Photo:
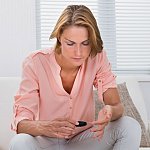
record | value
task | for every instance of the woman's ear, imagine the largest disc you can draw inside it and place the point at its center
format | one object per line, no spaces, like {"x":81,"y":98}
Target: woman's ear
{"x":59,"y":39}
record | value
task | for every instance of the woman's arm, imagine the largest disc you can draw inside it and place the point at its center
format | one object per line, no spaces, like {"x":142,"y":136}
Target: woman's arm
{"x":60,"y":128}
{"x":29,"y":127}
{"x":111,"y":98}
{"x":112,"y":110}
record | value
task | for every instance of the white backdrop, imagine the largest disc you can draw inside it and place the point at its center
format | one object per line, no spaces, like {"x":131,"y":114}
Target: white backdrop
{"x":17,"y":34}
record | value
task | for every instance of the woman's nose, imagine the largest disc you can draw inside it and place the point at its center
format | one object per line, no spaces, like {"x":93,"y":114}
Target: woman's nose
{"x":78,"y":50}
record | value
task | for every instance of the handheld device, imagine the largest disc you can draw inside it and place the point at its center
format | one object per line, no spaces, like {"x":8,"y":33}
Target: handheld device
{"x":81,"y":124}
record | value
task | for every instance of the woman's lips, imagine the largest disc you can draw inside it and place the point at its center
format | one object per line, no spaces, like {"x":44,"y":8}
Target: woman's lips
{"x":77,"y":59}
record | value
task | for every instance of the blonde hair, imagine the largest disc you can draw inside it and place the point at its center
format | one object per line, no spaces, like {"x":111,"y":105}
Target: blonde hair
{"x":78,"y":15}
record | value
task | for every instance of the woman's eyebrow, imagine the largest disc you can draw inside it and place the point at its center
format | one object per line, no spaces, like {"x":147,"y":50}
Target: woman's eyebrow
{"x":69,"y":40}
{"x":85,"y":40}
{"x":74,"y":42}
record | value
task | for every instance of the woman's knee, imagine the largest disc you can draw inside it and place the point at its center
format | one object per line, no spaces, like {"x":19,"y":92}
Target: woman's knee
{"x":131,"y":123}
{"x":130,"y":126}
{"x":22,"y":141}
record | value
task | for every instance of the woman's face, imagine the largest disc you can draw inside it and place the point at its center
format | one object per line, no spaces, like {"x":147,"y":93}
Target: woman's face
{"x":75,"y":45}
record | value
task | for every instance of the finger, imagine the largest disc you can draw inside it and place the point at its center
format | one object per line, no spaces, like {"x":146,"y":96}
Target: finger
{"x":61,"y":135}
{"x":100,"y":122}
{"x":98,"y":128}
{"x":65,"y":122}
{"x":65,"y":130}
{"x":56,"y":134}
{"x":72,"y":121}
{"x":68,"y":124}
{"x":62,"y":130}
{"x":98,"y":137}
{"x":99,"y":134}
{"x":68,"y":120}
{"x":108,"y":116}
{"x":59,"y":124}
{"x":107,"y":110}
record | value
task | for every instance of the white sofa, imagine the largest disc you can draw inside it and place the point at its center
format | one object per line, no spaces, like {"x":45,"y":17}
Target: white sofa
{"x":9,"y":86}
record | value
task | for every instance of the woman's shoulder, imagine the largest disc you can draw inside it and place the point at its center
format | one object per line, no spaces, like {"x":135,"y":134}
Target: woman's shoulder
{"x":46,"y":51}
{"x":101,"y":56}
{"x":98,"y":61}
{"x":37,"y":53}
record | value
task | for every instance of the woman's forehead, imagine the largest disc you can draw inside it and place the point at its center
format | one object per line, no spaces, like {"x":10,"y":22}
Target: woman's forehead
{"x":74,"y":32}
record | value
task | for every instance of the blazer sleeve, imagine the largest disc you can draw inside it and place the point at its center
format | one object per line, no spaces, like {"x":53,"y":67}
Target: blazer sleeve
{"x":104,"y":78}
{"x":26,"y":104}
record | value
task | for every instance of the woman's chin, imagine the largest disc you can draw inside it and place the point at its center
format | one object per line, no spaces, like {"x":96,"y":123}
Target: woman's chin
{"x":77,"y":62}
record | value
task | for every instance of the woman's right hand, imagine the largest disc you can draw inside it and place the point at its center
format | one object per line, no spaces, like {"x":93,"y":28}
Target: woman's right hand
{"x":58,"y":128}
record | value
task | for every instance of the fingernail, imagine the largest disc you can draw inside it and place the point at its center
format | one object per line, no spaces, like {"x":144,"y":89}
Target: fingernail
{"x":108,"y":117}
{"x":77,"y":123}
{"x":92,"y":123}
{"x":66,"y":137}
{"x":105,"y":112}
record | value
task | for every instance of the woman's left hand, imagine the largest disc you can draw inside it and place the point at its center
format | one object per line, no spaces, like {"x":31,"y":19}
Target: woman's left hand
{"x":104,"y":117}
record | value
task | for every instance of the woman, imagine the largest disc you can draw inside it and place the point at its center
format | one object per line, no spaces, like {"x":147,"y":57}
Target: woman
{"x":56,"y":92}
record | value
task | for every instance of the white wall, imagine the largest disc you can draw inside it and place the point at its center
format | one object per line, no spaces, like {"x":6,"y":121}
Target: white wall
{"x":17,"y":34}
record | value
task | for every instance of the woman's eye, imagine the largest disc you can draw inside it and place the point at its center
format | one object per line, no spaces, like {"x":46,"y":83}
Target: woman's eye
{"x":70,"y":44}
{"x":85,"y":43}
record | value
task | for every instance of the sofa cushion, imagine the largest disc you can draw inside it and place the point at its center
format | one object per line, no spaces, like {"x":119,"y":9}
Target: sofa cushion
{"x":130,"y":110}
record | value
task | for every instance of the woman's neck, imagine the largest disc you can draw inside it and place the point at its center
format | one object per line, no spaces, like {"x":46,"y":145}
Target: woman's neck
{"x":65,"y":66}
